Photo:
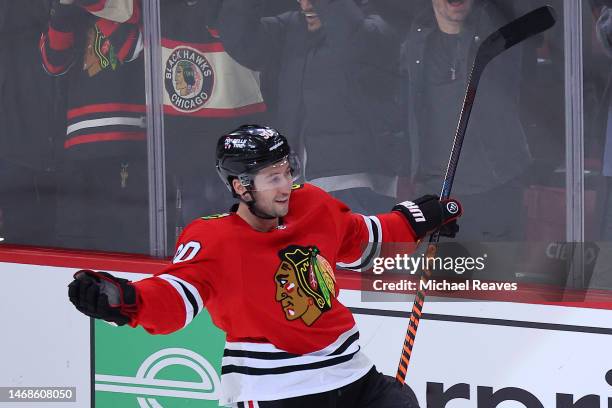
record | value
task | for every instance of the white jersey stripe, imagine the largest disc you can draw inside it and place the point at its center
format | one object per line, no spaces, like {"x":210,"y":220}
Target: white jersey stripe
{"x":188,"y":307}
{"x":262,"y":347}
{"x":366,"y":251}
{"x":84,"y":124}
{"x":192,"y":289}
{"x":378,"y":244}
{"x":269,"y":348}
{"x":248,"y":374}
{"x":243,"y":387}
{"x":372,"y":249}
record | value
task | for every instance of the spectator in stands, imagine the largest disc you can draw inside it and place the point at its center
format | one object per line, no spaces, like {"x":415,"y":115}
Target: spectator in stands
{"x":103,"y":193}
{"x":332,"y":66}
{"x":206,"y":93}
{"x":436,"y":57}
{"x":27,"y":127}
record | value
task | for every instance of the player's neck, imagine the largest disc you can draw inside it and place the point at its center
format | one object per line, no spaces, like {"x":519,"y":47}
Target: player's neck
{"x":254,"y":221}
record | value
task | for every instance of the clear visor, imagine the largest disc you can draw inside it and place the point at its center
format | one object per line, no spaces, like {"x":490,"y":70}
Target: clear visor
{"x":281,"y":174}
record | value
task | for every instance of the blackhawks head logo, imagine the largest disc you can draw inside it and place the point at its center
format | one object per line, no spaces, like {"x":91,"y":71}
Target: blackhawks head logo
{"x":189,"y":79}
{"x":305,"y":283}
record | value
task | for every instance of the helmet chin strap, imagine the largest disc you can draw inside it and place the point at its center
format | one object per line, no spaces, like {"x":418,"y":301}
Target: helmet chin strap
{"x":253,"y":209}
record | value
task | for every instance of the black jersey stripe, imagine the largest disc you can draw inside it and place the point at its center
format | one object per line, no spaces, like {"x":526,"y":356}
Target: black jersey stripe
{"x":347,"y":343}
{"x":229,"y":369}
{"x":190,"y":298}
{"x":374,"y":246}
{"x":261,"y":355}
{"x":271,"y":355}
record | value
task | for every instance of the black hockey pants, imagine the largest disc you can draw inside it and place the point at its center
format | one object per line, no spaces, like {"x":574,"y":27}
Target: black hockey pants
{"x":374,"y":390}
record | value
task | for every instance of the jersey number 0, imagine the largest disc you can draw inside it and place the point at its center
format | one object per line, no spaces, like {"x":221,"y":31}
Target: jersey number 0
{"x":186,"y":252}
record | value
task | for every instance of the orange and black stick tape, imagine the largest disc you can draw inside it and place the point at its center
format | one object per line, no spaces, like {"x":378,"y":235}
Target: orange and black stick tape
{"x":415,"y":316}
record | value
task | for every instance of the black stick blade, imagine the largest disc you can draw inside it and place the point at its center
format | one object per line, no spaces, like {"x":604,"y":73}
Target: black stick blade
{"x":532,"y":23}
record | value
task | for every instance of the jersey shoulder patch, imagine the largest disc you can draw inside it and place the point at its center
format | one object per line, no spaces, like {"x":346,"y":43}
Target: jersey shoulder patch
{"x":215,"y":216}
{"x":312,"y":190}
{"x":297,"y":186}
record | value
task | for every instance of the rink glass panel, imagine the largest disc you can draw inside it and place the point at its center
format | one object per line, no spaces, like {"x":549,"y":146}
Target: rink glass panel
{"x":73,"y":155}
{"x":57,"y":193}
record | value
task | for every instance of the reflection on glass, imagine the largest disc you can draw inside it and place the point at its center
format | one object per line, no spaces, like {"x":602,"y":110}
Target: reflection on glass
{"x":330,"y":75}
{"x":206,"y":93}
{"x":369,"y":93}
{"x":102,"y":166}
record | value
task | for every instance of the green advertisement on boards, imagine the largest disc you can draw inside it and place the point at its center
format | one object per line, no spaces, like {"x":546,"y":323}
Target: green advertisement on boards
{"x":136,"y":369}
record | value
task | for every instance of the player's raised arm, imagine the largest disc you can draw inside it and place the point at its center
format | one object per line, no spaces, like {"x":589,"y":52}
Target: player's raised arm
{"x":408,"y":221}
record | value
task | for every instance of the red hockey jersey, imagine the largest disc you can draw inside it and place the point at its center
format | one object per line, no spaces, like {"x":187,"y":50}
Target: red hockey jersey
{"x":104,"y":63}
{"x":274,"y":294}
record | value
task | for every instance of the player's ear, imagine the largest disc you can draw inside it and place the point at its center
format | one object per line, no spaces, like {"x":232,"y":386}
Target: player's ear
{"x":238,"y":187}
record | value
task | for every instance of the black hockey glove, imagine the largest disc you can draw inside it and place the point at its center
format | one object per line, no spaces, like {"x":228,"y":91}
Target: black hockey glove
{"x":103,"y":296}
{"x":428,"y":213}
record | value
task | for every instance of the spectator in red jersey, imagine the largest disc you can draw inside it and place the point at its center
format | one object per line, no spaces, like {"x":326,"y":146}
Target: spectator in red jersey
{"x":97,"y":47}
{"x":205,"y":93}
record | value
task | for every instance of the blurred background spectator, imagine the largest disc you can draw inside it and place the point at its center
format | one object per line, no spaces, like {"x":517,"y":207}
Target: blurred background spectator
{"x":102,"y":190}
{"x":436,"y":58}
{"x":330,"y":76}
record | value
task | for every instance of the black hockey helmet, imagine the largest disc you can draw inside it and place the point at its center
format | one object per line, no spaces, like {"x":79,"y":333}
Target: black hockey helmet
{"x":248,"y":149}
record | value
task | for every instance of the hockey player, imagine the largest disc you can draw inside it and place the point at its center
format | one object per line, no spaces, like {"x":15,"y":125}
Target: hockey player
{"x":265,"y":272}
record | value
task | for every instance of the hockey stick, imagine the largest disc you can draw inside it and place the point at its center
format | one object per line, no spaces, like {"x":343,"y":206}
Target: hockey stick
{"x":509,"y":35}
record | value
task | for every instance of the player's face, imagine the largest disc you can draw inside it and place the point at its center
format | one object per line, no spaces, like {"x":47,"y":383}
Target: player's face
{"x":273,"y":188}
{"x":452,"y":11}
{"x":288,"y":292}
{"x":312,"y":19}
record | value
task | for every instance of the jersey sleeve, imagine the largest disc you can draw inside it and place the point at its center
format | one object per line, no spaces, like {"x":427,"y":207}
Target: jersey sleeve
{"x":171,"y":299}
{"x":361,"y":236}
{"x":57,"y":44}
{"x":112,"y":10}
